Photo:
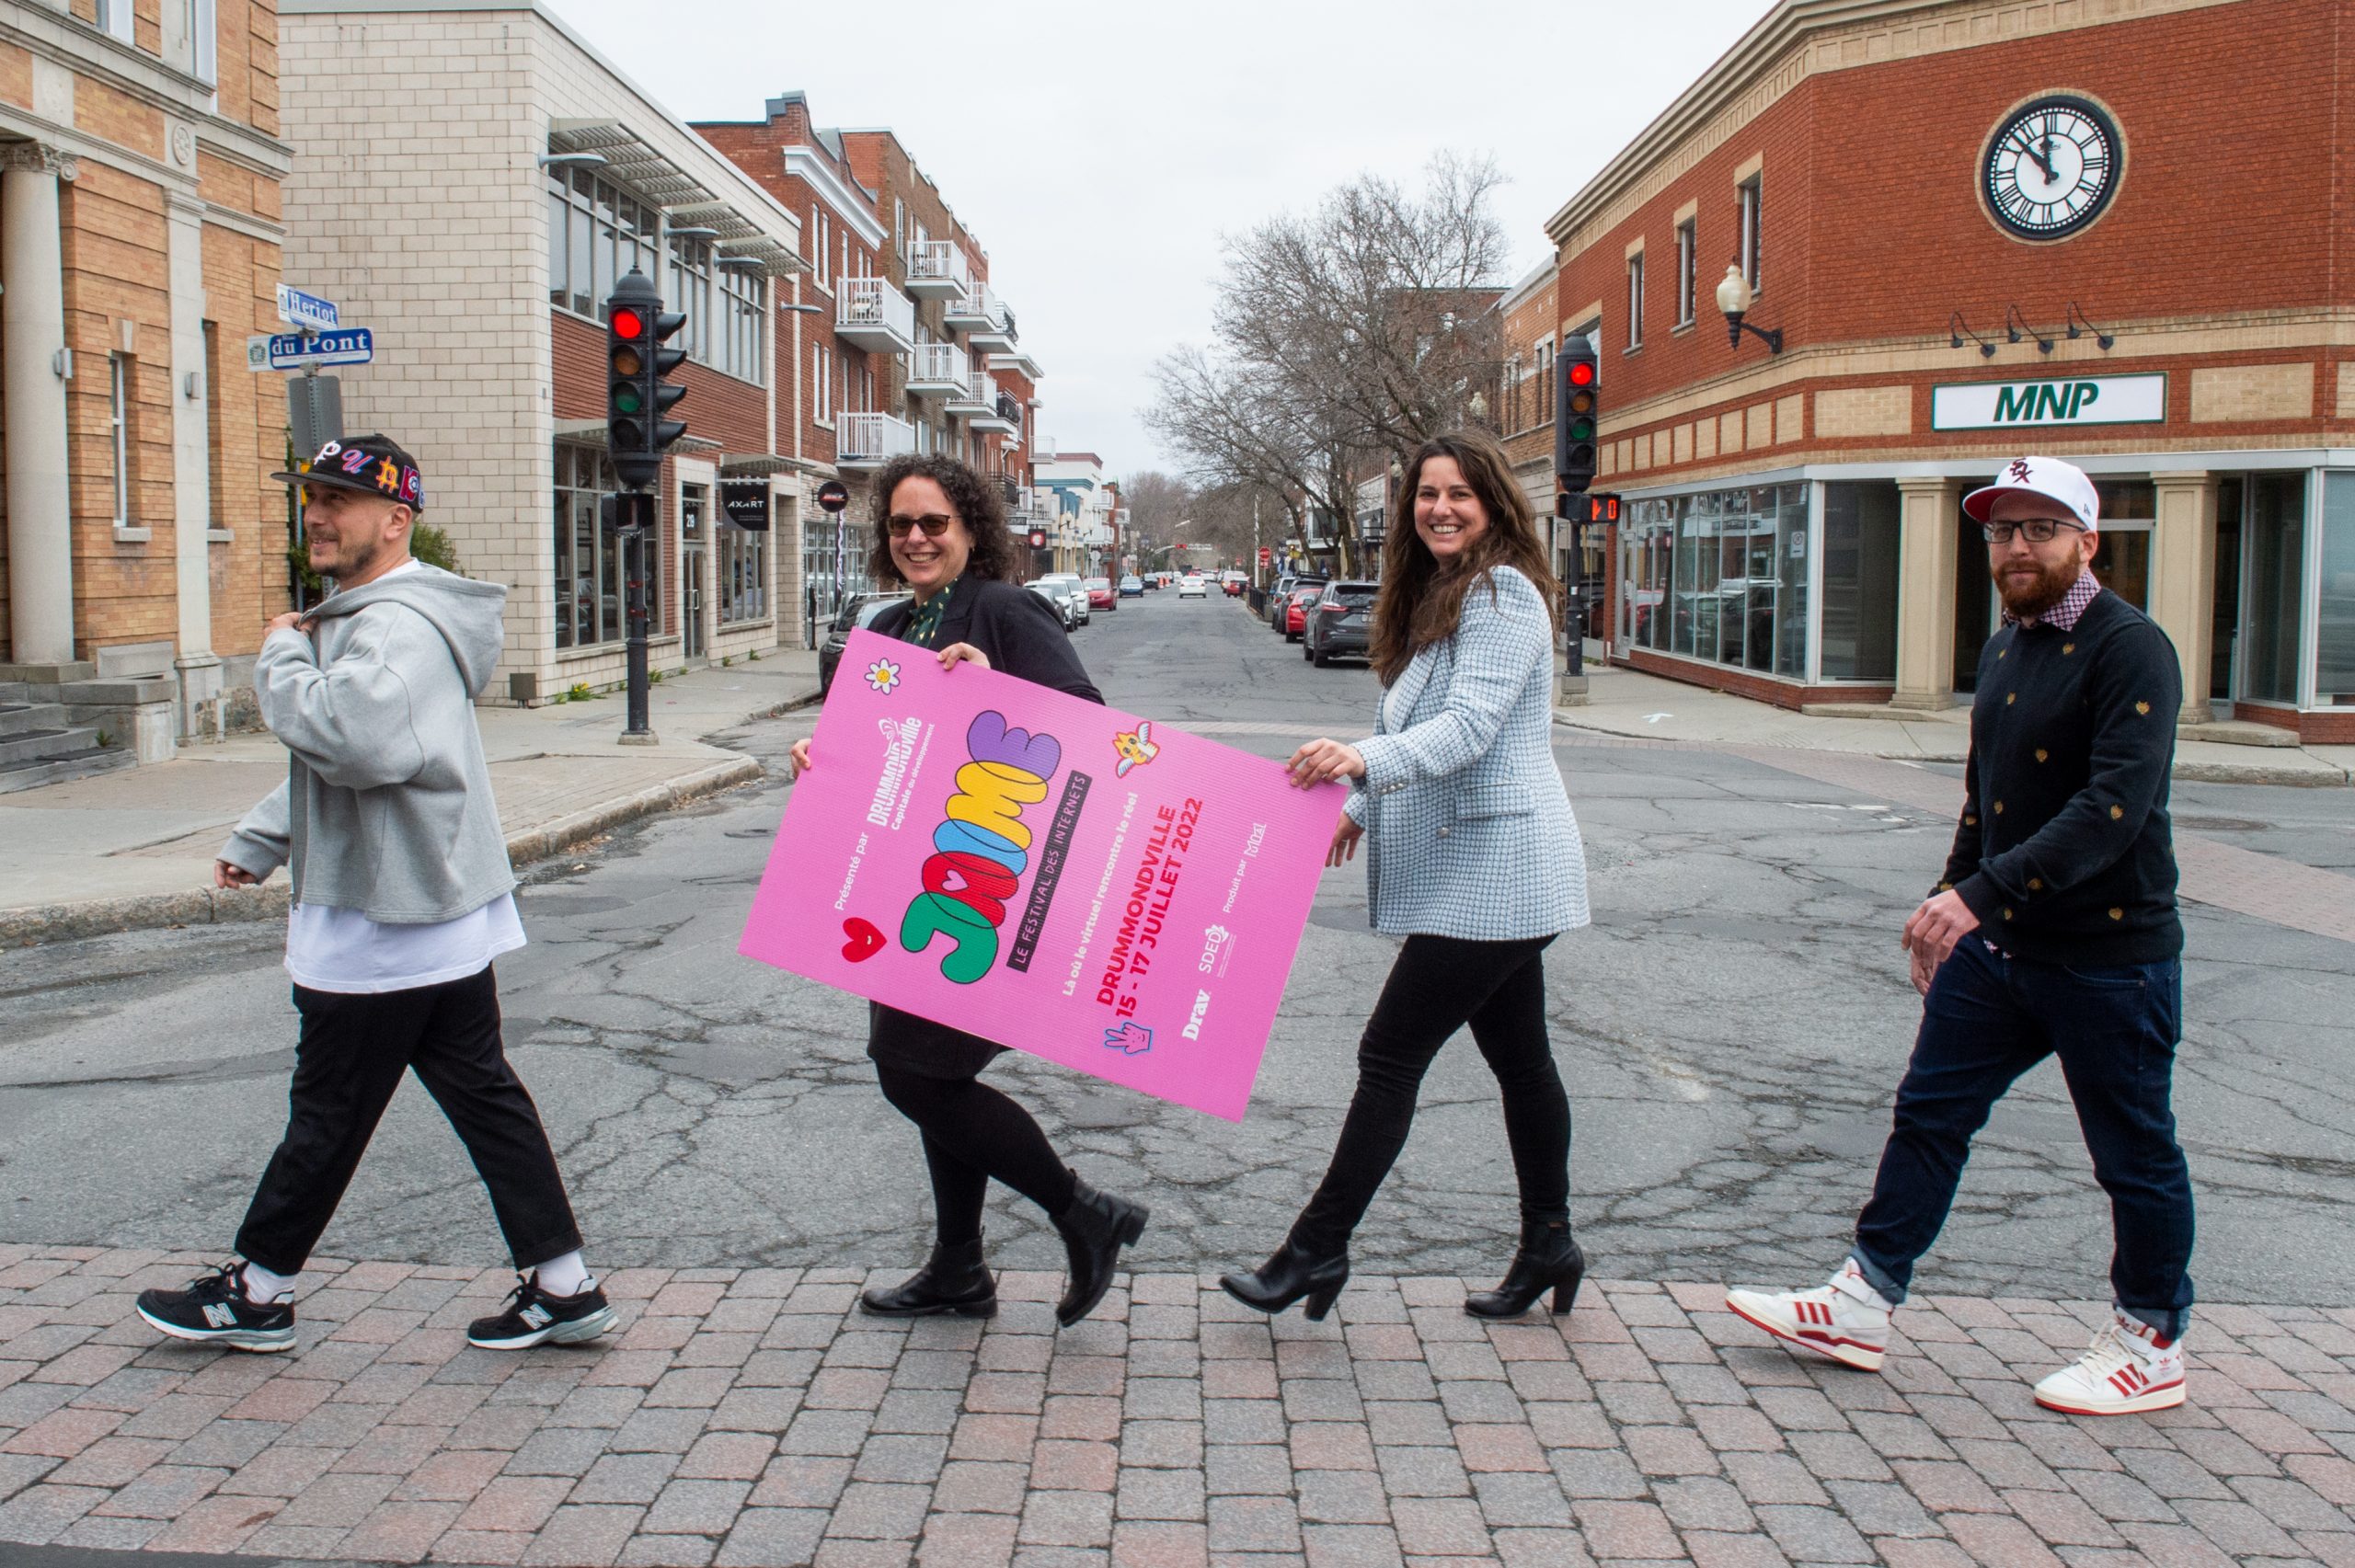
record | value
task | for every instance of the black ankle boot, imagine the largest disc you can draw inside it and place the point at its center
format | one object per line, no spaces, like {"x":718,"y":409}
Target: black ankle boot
{"x":1292,"y":1274}
{"x":1094,"y":1228}
{"x":952,"y":1280}
{"x":1549,"y":1259}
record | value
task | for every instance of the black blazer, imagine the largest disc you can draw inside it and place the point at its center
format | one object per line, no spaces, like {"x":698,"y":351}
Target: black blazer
{"x":1022,"y":637}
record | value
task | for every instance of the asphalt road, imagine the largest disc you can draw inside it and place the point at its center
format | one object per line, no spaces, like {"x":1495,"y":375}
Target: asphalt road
{"x":1731,"y":1028}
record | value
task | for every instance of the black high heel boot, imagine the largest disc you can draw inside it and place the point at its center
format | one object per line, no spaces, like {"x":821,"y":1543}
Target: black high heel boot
{"x":1287,"y":1276}
{"x":1094,"y":1228}
{"x":1549,"y":1259}
{"x":952,"y":1280}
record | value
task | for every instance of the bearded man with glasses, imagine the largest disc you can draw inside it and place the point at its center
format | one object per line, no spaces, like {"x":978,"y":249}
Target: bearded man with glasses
{"x":2053,"y":932}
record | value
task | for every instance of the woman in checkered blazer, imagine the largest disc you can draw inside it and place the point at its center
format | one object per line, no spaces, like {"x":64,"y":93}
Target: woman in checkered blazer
{"x":1472,"y":856}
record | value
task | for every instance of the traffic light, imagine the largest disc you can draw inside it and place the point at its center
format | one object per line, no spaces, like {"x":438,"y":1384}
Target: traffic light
{"x":1596,"y":506}
{"x":1576,"y":373}
{"x":636,"y":395}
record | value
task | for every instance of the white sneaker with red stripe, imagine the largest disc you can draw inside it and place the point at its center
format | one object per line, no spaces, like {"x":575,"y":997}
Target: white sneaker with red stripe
{"x":2130,"y":1367}
{"x":1846,"y":1320}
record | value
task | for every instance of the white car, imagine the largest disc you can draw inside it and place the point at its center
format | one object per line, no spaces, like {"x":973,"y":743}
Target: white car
{"x":1191,"y":586}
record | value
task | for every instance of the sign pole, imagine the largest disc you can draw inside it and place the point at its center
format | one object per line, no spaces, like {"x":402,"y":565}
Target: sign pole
{"x":633,"y":520}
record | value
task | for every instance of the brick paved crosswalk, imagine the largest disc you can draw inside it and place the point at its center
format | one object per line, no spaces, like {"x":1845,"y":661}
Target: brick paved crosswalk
{"x":752,"y":1417}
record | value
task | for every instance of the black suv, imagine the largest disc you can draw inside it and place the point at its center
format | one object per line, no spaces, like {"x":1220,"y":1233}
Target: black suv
{"x":1340,"y":624}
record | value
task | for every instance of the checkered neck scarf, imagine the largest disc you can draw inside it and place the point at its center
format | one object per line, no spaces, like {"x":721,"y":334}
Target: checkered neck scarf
{"x":2063,"y":615}
{"x":926,"y":625}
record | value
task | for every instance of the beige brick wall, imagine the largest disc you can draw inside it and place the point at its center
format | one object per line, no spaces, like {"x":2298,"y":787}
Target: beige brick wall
{"x":1864,"y":411}
{"x":1790,"y":416}
{"x":2347,"y":390}
{"x":1759,"y":420}
{"x":2252,"y":392}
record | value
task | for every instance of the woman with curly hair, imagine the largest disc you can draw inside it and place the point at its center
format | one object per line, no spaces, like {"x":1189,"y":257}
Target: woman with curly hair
{"x":941,"y":530}
{"x":1472,"y":856}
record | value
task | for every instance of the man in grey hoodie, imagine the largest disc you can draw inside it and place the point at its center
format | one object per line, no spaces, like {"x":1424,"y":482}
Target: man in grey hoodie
{"x":402,"y":898}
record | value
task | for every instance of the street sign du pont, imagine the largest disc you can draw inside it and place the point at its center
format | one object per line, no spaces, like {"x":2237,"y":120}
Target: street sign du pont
{"x":343,"y":346}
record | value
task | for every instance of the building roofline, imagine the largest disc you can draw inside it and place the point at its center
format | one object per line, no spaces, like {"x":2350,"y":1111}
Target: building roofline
{"x":1735,"y":71}
{"x":1520,"y":293}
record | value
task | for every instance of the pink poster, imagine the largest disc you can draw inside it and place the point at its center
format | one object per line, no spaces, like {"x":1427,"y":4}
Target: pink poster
{"x":1047,"y":873}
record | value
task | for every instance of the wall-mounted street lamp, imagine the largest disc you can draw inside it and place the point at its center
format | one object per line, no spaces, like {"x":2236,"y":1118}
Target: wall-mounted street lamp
{"x":573,"y":160}
{"x":2016,"y":320}
{"x":1957,"y":329}
{"x":1734,"y":298}
{"x":2078,"y":323}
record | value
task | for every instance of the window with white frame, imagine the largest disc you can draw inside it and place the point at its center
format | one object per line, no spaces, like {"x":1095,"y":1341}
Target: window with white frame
{"x":821,"y":382}
{"x":115,"y":20}
{"x":1751,"y":197}
{"x":1687,"y":263}
{"x":688,"y":289}
{"x":743,"y":311}
{"x":597,"y":233}
{"x":204,"y":25}
{"x":1542,"y":354}
{"x":743,"y":573}
{"x":118,"y":434}
{"x":1635,"y":302}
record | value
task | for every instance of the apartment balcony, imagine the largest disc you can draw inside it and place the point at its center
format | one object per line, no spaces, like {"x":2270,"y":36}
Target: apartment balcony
{"x":1004,"y":414}
{"x":978,"y":397}
{"x":874,"y":315}
{"x":975,"y":310}
{"x":866,"y":442}
{"x":937,"y":270}
{"x":995,"y":334}
{"x":939,"y":370}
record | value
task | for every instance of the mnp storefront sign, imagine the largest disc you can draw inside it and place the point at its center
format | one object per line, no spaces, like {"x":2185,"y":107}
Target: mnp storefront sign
{"x":2037,"y":405}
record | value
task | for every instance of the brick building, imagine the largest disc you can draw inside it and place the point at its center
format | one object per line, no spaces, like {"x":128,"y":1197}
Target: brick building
{"x":475,"y":208}
{"x":903,"y":343}
{"x":142,"y":545}
{"x":1983,"y":228}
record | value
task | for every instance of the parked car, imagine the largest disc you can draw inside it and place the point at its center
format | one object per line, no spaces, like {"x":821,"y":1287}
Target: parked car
{"x":1073,"y":589}
{"x":1132,"y":587}
{"x":1059,"y":596}
{"x":1234,"y":582}
{"x":1101,"y":595}
{"x":1340,"y":623}
{"x":859,"y":609}
{"x":1304,"y":594}
{"x":1192,"y":587}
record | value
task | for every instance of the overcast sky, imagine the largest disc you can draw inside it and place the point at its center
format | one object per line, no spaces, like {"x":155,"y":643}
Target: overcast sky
{"x":1099,"y":151}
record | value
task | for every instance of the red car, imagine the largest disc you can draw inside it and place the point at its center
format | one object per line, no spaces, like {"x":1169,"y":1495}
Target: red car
{"x":1235,"y":588}
{"x":1101,"y":595}
{"x":1296,"y":611}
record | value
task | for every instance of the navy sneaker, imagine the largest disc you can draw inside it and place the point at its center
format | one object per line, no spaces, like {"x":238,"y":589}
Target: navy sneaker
{"x":214,"y":1309}
{"x":535,"y":1317}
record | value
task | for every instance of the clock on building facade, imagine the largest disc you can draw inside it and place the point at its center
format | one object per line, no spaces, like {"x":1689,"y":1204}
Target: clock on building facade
{"x":2051,"y":167}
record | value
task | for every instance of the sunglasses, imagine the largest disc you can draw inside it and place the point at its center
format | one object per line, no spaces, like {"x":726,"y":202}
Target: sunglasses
{"x":2037,"y":530}
{"x":934,"y":526}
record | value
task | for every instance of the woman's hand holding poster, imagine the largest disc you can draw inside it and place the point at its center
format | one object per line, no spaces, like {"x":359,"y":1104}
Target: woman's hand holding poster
{"x":1044,"y":872}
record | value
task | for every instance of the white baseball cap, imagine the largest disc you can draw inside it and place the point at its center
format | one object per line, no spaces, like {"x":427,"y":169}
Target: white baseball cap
{"x":2047,"y":477}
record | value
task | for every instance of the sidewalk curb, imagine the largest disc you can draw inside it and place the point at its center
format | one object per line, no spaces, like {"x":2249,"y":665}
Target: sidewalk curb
{"x":216,"y":906}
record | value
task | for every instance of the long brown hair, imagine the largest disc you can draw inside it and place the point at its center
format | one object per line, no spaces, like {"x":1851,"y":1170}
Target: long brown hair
{"x":980,"y":507}
{"x":1420,"y":601}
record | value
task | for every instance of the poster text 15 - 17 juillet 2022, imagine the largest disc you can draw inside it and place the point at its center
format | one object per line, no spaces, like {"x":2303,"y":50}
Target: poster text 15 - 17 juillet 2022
{"x":1044,"y":872}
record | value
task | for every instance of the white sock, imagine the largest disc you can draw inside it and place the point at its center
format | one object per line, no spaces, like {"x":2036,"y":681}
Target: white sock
{"x":567,"y":1276}
{"x":264,"y":1289}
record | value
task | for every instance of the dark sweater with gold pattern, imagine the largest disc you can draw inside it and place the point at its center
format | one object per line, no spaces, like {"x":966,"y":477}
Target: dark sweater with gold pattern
{"x":2064,"y":851}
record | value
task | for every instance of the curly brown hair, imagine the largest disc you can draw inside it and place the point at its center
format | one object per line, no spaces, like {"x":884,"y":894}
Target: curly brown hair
{"x":980,"y":507}
{"x":1420,"y":601}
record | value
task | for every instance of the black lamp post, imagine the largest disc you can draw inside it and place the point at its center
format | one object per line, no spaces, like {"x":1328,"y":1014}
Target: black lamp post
{"x":1733,"y":298}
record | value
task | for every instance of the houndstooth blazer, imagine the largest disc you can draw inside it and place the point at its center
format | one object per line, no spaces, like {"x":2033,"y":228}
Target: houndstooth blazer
{"x":1469,"y":830}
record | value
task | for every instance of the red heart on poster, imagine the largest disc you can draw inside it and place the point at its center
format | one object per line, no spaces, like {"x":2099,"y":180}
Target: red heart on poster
{"x":864,"y":942}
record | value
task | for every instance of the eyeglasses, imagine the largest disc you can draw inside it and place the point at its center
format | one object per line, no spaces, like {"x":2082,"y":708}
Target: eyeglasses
{"x":934,"y":526}
{"x":2037,"y":530}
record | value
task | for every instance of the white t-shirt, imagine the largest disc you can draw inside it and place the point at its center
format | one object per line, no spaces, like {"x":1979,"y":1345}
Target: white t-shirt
{"x":335,"y":949}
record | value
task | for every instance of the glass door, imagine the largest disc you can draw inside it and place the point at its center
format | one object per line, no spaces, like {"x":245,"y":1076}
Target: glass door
{"x":694,"y":501}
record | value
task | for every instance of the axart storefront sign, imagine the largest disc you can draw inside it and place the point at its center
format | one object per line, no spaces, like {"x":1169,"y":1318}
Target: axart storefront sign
{"x":2005,"y":405}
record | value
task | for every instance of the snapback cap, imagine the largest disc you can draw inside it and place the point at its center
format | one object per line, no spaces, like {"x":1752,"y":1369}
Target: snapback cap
{"x":2056,"y":481}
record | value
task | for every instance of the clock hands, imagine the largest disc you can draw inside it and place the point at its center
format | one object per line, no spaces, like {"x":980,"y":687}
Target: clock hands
{"x":2044,"y":159}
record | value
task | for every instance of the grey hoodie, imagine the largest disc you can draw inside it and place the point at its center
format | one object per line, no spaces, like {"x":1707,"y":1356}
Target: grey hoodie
{"x":386,"y":807}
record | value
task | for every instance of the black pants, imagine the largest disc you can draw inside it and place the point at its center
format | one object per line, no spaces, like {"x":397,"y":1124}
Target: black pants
{"x":973,"y":1132}
{"x":351,"y":1058}
{"x":1439,"y":985}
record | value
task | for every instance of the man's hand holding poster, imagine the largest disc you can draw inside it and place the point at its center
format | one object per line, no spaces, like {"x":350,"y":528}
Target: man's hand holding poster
{"x":1046,"y":872}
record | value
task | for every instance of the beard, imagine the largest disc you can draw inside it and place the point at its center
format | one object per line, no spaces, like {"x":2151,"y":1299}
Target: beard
{"x":2026,"y":599}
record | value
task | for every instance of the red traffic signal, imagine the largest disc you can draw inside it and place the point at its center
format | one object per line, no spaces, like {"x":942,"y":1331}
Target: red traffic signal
{"x":1038,"y":539}
{"x":635,"y":393}
{"x":1576,"y":413}
{"x":1596,"y":506}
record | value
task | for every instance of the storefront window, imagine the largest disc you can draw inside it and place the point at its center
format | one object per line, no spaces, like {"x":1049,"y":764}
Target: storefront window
{"x":743,"y":574}
{"x":1648,"y":538}
{"x":2335,"y":619}
{"x":2275,"y":597}
{"x":590,"y":583}
{"x":1860,"y":546}
{"x":1720,"y":576}
{"x":2123,"y":560}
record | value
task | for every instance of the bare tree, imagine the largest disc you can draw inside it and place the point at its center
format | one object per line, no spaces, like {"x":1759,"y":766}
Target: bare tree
{"x":1156,"y":504}
{"x":1343,"y":339}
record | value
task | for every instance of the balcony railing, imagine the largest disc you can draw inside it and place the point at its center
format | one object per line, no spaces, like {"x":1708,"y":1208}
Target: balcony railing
{"x":976,"y":398}
{"x":867,"y":440}
{"x":939,"y":370}
{"x":999,"y":411}
{"x":937,"y":270}
{"x":875,"y":316}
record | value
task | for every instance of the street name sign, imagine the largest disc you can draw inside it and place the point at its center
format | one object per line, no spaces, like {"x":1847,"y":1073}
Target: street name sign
{"x":2036,"y":404}
{"x":344,"y":346}
{"x":308,"y":311}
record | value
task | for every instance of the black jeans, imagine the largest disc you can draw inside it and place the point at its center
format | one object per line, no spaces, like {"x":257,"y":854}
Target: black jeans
{"x":1989,"y":1018}
{"x":1439,"y":985}
{"x":973,"y":1132}
{"x":350,"y":1056}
